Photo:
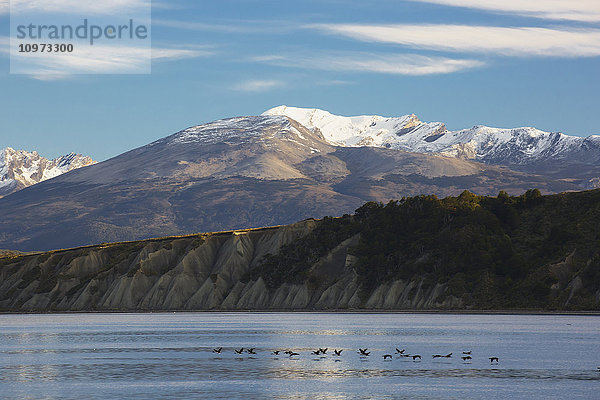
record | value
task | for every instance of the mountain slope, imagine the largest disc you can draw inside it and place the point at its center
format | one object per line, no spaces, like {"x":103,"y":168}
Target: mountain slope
{"x":525,"y":149}
{"x":465,"y":252}
{"x":229,"y":174}
{"x":20,"y":169}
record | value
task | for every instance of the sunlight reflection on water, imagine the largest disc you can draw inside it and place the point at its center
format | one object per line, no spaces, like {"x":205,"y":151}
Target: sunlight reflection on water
{"x":151,"y":356}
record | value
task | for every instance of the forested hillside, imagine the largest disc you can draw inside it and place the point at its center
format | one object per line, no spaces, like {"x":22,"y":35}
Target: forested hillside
{"x":468,"y":252}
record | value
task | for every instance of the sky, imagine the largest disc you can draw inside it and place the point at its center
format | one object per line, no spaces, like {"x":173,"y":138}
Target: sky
{"x":501,"y":63}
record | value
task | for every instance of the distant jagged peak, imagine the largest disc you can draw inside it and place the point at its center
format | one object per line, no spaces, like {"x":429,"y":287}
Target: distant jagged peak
{"x":20,"y":168}
{"x":71,"y":160}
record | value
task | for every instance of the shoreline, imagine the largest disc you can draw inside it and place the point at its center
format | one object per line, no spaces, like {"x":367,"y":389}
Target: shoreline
{"x":342,"y":311}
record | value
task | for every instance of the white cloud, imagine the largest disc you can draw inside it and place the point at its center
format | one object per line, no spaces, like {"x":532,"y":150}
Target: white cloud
{"x":397,"y":64}
{"x":165,"y":54}
{"x":334,"y":82}
{"x":257,"y":85}
{"x":521,"y":41}
{"x":4,"y":44}
{"x":94,"y":7}
{"x":230,"y":26}
{"x":570,"y":10}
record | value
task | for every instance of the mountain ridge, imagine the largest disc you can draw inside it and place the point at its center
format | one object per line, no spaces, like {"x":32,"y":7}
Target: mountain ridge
{"x":235,"y":173}
{"x":526,"y":148}
{"x":20,"y":169}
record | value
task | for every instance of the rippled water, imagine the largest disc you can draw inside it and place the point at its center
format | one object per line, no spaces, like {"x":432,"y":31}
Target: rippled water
{"x":152,"y":356}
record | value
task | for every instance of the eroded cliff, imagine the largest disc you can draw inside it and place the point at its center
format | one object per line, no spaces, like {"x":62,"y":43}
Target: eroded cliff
{"x":198,"y":272}
{"x":466,"y":252}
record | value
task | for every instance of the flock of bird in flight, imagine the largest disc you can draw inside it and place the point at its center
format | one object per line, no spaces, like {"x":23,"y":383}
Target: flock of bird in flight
{"x":465,"y":356}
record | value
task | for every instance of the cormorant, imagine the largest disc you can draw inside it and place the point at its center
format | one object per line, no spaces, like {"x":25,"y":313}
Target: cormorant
{"x":364,"y":352}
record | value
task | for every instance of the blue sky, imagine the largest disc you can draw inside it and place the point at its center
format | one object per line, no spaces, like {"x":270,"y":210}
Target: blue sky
{"x":511,"y":63}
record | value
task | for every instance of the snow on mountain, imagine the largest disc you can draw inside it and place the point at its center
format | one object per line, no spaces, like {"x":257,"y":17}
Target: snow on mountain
{"x":19,"y":168}
{"x":238,"y":129}
{"x":366,"y":130}
{"x":518,"y":146}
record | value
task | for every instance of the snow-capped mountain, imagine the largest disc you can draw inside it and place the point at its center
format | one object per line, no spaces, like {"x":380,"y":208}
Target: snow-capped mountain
{"x":19,"y":168}
{"x":231,"y":174}
{"x":368,"y":130}
{"x":518,"y":146}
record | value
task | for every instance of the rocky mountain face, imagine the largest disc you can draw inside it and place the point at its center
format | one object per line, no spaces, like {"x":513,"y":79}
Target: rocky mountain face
{"x":20,"y":169}
{"x":231,"y":174}
{"x":525,"y":149}
{"x":525,"y":254}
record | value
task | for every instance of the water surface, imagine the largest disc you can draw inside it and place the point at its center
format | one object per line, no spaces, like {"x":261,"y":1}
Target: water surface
{"x":170,"y":355}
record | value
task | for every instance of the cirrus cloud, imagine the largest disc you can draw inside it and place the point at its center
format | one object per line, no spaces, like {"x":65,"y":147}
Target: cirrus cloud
{"x":94,"y":7}
{"x":396,"y":64}
{"x":99,"y":59}
{"x":569,"y":10}
{"x":257,"y":85}
{"x":507,"y":41}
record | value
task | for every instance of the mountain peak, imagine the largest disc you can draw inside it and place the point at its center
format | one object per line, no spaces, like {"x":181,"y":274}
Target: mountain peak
{"x":357,"y":131}
{"x":524,"y":145}
{"x":230,"y":128}
{"x":21,"y":168}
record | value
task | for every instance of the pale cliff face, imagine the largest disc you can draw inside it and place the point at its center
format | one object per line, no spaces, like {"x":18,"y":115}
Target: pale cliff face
{"x":212,"y":272}
{"x":200,"y":272}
